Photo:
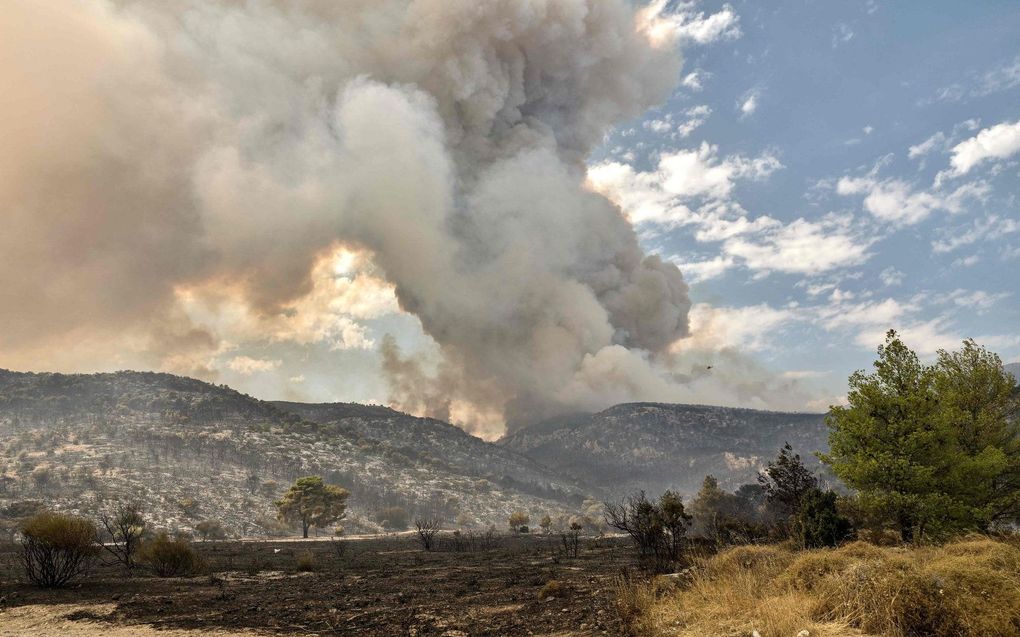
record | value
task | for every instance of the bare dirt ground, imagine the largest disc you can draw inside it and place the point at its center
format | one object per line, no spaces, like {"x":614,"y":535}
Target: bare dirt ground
{"x":377,"y":587}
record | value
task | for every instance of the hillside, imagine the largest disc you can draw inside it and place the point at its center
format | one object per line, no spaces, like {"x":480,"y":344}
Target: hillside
{"x":1014,"y":368}
{"x":657,"y":446}
{"x":443,"y":444}
{"x":190,"y":451}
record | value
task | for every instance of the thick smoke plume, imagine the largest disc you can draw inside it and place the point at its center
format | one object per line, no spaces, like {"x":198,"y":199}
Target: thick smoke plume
{"x":152,"y":147}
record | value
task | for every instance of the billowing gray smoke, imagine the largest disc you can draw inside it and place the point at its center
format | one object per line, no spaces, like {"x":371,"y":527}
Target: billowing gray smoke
{"x":150,"y":145}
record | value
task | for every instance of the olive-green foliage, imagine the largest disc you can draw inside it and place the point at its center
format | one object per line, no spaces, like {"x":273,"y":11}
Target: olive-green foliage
{"x":786,"y":481}
{"x":310,"y":502}
{"x":517,"y":520}
{"x":57,"y":549}
{"x":931,"y":448}
{"x":819,"y":521}
{"x":169,"y":556}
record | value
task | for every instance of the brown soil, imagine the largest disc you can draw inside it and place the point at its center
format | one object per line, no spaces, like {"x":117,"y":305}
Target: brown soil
{"x":378,"y":587}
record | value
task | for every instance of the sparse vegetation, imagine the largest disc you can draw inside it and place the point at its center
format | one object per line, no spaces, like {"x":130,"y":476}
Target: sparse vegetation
{"x":57,"y":549}
{"x":798,"y":586}
{"x":571,"y":539}
{"x":124,"y":529}
{"x":552,"y":589}
{"x":426,"y":529}
{"x":305,"y":562}
{"x":210,"y":530}
{"x":657,"y":528}
{"x":518,"y":521}
{"x":968,"y":588}
{"x":393,"y":518}
{"x":169,"y":556}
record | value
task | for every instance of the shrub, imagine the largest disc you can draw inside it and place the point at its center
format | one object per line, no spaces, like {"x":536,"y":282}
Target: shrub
{"x":552,"y":588}
{"x":517,"y":520}
{"x":169,"y":556}
{"x":819,"y":521}
{"x":57,"y":549}
{"x":210,"y":530}
{"x":125,"y":529}
{"x":657,"y":527}
{"x":427,"y":528}
{"x":306,"y":562}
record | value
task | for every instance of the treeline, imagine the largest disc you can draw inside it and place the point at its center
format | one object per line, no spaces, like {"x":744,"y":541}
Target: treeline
{"x":924,"y":452}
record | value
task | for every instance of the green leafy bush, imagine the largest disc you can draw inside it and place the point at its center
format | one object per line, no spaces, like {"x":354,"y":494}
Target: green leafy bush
{"x":819,"y":520}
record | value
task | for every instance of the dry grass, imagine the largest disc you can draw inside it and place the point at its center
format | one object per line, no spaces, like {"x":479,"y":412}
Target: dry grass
{"x":305,"y":562}
{"x":968,"y":588}
{"x":552,"y":588}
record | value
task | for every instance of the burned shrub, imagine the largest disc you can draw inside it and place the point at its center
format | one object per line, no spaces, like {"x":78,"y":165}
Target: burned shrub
{"x":57,"y":549}
{"x":169,"y":556}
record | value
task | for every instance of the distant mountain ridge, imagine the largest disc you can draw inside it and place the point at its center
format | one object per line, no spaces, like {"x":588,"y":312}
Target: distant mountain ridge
{"x":1013,"y":368}
{"x":656,"y":446}
{"x":194,"y":450}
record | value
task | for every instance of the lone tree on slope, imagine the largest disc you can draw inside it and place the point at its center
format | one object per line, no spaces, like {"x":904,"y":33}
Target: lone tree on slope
{"x":311,"y":502}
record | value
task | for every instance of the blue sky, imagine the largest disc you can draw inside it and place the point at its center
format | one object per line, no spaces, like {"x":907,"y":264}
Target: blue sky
{"x":855,"y":167}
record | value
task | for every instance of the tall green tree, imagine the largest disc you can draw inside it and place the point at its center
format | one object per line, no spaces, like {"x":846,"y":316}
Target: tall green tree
{"x":977,"y":414}
{"x":310,"y":502}
{"x":785,"y":481}
{"x":885,"y":444}
{"x":932,"y":448}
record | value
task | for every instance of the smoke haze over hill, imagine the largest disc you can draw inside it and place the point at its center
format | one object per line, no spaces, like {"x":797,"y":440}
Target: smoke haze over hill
{"x":180,"y":176}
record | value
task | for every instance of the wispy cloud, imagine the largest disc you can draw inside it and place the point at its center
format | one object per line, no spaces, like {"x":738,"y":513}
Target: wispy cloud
{"x":666,"y":24}
{"x":1000,"y":78}
{"x":978,"y":230}
{"x":900,"y":202}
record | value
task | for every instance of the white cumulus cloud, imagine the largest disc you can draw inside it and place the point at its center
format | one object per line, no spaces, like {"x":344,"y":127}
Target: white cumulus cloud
{"x":997,"y":142}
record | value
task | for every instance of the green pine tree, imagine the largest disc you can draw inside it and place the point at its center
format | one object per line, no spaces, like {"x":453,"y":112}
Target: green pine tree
{"x":933,"y":449}
{"x":310,"y":502}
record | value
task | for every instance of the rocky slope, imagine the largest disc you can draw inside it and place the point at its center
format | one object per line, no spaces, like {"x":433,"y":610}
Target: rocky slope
{"x":189,"y":451}
{"x":440,"y":442}
{"x":658,"y":446}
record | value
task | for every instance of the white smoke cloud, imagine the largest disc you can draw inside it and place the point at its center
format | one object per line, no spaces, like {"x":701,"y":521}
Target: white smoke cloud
{"x":172,"y":168}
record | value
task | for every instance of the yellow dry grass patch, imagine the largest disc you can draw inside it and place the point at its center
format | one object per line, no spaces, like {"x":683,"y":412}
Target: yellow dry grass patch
{"x":967,"y":588}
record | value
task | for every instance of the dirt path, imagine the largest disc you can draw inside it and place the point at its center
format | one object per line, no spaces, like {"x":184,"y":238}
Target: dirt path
{"x":77,"y":620}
